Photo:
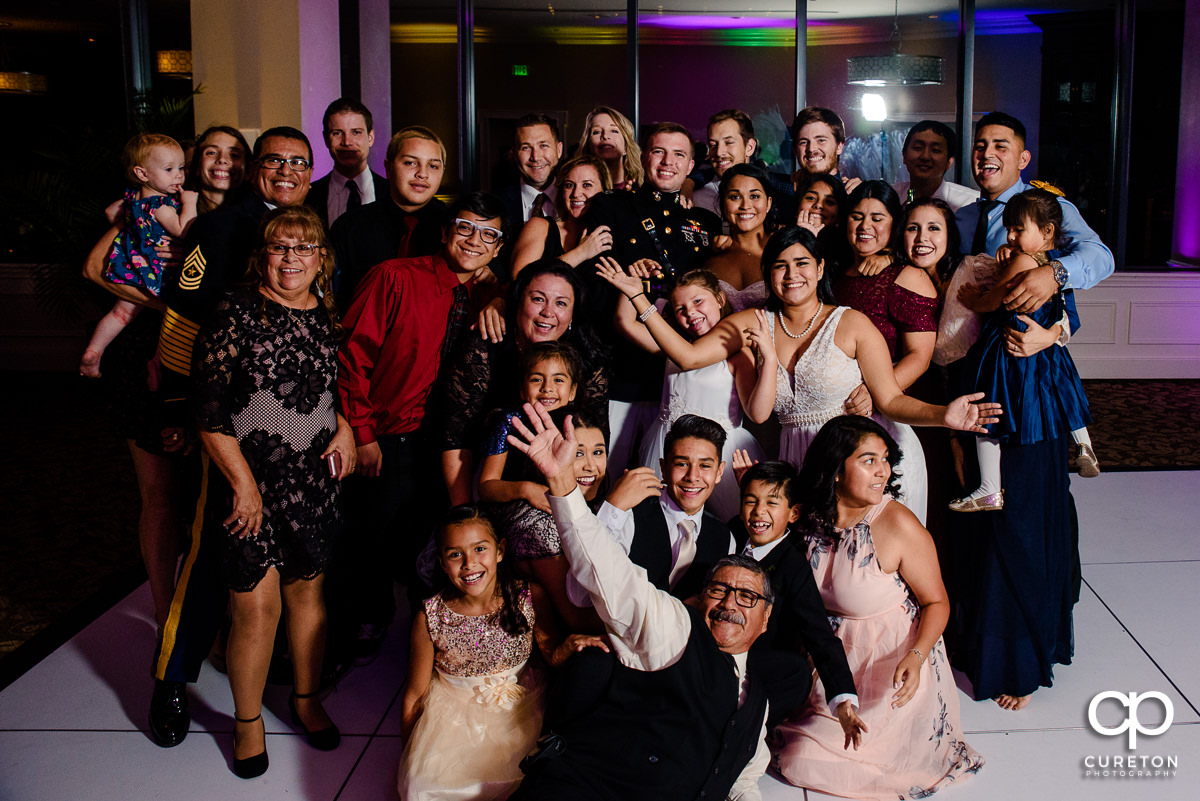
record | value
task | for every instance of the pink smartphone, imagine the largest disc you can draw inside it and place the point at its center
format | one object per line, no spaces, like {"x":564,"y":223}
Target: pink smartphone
{"x":334,"y":462}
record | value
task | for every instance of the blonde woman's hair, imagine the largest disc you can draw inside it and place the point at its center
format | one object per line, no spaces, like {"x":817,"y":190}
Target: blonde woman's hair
{"x":631,"y":164}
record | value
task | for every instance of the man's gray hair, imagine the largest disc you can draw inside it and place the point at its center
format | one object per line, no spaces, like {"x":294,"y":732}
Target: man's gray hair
{"x":745,"y":563}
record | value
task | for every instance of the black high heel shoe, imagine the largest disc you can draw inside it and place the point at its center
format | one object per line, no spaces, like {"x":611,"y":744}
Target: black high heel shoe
{"x":326,"y":739}
{"x":250,"y":767}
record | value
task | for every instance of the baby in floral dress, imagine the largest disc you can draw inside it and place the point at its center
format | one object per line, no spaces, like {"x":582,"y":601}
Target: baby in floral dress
{"x":156,"y":210}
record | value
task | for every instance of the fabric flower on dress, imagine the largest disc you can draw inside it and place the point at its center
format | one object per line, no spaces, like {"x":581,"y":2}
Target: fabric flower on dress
{"x":501,"y":691}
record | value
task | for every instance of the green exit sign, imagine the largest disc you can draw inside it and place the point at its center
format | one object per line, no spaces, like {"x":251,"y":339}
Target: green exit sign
{"x":520,"y":69}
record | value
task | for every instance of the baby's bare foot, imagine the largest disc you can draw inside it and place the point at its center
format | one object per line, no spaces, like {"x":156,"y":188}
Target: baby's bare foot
{"x":89,"y":365}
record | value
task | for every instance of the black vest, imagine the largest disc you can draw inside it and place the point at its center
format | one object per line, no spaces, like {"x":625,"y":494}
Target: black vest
{"x":671,"y":735}
{"x":651,"y":548}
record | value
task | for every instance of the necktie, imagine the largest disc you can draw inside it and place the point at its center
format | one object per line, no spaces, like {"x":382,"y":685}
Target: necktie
{"x":456,"y":321}
{"x":405,"y":244}
{"x":979,"y":242}
{"x":687,"y":551}
{"x":353,"y":199}
{"x":539,"y":206}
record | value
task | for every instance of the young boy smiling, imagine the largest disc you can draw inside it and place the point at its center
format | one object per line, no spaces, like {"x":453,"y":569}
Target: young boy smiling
{"x":799,"y":625}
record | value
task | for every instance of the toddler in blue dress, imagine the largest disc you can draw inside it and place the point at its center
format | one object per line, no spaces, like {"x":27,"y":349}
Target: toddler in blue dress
{"x":1042,"y":395}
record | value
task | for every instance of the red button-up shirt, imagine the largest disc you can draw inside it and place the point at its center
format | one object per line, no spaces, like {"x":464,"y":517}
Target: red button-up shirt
{"x":389,"y":360}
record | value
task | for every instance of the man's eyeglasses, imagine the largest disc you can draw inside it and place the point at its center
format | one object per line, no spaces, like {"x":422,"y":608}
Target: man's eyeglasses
{"x":303,"y":249}
{"x":276,"y":162}
{"x":465,"y":228}
{"x":747,"y":599}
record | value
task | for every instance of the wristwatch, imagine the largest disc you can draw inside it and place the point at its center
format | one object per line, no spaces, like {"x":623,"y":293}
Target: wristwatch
{"x":1061,"y":276}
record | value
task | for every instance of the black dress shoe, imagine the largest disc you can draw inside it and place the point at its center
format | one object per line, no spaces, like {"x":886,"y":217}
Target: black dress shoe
{"x":326,"y":739}
{"x":250,"y":767}
{"x":169,"y":716}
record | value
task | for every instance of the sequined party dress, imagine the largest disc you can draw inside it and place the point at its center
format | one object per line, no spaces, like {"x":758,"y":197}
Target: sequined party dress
{"x":909,"y":752}
{"x":482,"y":713}
{"x":132,"y":259}
{"x":708,"y":392}
{"x":815,"y":393}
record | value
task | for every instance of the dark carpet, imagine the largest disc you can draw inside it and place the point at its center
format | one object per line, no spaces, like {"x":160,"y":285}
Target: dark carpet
{"x":69,"y":549}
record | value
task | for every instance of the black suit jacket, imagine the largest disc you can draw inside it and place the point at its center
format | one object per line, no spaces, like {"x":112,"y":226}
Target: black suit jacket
{"x":651,"y":548}
{"x":798,"y":624}
{"x":674,"y":734}
{"x":372,"y":234}
{"x":318,"y":195}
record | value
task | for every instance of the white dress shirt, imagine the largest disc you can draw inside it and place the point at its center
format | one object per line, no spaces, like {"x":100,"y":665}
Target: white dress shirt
{"x":648,"y":628}
{"x":529,"y":194}
{"x":955,"y":195}
{"x":339,"y":195}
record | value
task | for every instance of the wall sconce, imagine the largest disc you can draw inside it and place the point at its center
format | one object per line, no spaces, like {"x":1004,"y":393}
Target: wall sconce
{"x":174,"y":63}
{"x":23,"y":83}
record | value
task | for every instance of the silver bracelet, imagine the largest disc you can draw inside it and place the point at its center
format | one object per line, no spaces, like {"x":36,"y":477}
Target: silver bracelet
{"x":920,"y":655}
{"x":650,"y":311}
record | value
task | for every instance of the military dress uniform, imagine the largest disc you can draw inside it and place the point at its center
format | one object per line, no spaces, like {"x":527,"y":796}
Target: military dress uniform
{"x":216,"y":252}
{"x":646,"y":224}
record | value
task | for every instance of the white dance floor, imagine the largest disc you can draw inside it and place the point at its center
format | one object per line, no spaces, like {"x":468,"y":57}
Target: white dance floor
{"x":74,"y":727}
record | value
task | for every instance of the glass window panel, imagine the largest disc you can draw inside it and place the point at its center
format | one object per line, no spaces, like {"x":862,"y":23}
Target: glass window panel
{"x":1154,"y":134}
{"x":560,"y":58}
{"x":425,"y":76}
{"x":838,"y":32}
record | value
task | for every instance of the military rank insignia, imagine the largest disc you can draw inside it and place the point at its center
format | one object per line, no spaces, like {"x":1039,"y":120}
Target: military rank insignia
{"x":694,"y":233}
{"x":193,"y":270}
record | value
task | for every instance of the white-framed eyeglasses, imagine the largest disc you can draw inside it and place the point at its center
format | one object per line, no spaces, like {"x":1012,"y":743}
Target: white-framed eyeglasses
{"x":465,"y":228}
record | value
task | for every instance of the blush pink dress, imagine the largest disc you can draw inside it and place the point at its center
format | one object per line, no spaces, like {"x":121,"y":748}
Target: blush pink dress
{"x":910,"y":752}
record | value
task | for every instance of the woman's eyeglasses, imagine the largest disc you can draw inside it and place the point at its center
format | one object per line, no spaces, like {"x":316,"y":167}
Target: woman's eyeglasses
{"x":303,"y":249}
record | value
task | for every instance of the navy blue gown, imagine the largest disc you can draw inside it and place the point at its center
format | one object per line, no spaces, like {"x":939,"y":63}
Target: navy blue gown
{"x":1018,"y":567}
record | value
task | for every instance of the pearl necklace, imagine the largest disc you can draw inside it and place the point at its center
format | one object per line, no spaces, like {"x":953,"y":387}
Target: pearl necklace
{"x":807,"y":328}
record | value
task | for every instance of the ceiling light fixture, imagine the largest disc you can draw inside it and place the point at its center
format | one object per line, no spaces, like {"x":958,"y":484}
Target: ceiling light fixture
{"x":897,"y":69}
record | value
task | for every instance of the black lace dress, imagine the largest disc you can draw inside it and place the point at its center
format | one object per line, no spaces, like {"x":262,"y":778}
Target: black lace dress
{"x":266,"y":375}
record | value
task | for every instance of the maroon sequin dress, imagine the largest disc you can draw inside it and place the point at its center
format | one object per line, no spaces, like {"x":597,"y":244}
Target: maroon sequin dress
{"x":894,"y":309}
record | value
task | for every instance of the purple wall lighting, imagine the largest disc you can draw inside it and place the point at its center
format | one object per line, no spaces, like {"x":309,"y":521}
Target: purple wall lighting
{"x":710,"y":22}
{"x":1185,"y":245}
